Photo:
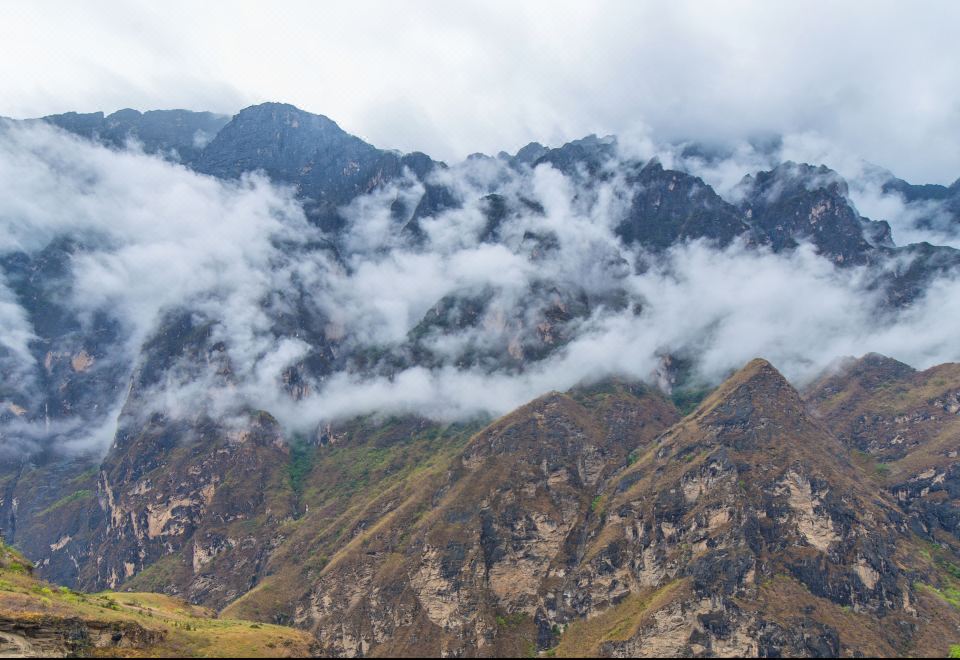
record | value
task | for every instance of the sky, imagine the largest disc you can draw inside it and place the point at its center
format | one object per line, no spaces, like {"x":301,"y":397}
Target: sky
{"x":878,"y":79}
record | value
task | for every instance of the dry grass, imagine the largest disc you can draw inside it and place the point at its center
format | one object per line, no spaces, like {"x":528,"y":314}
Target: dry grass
{"x":185,"y":630}
{"x":619,"y":623}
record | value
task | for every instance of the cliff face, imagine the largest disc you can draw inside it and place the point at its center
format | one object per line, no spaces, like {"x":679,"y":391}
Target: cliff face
{"x":458,"y":563}
{"x":904,"y":429}
{"x":327,"y":166}
{"x":744,"y":503}
{"x":575,"y":525}
{"x":593,"y":521}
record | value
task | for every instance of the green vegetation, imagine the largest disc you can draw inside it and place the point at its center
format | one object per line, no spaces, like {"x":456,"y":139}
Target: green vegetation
{"x":301,"y":462}
{"x":954,"y":651}
{"x":687,"y":401}
{"x":950,"y":595}
{"x":83,"y":494}
{"x":870,"y":466}
{"x":12,"y":561}
{"x":597,"y":505}
{"x":949,"y":567}
{"x":86,"y":475}
{"x":174,"y":628}
{"x":157,"y":575}
{"x":511,"y":620}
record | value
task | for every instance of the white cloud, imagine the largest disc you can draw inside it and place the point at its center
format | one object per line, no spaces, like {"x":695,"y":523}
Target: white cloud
{"x":158,"y":236}
{"x":879,"y":80}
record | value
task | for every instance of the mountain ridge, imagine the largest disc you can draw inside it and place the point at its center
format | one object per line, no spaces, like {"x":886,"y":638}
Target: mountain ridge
{"x":598,"y":519}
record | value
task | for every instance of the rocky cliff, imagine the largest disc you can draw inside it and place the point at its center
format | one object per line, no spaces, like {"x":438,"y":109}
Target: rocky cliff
{"x":597,"y":521}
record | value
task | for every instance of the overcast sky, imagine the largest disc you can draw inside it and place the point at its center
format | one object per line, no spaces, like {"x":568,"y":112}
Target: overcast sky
{"x":879,"y":79}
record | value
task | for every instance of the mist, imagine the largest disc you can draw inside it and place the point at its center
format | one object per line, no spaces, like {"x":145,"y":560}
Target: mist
{"x":878,"y":78}
{"x":152,"y":238}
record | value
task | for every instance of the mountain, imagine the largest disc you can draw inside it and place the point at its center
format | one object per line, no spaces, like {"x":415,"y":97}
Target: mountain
{"x":745,"y":530}
{"x":327,"y":165}
{"x":456,"y":562}
{"x":596,"y":523}
{"x":902,"y":424}
{"x":794,"y":202}
{"x":936,"y":206}
{"x":670,"y":207}
{"x":328,"y":431}
{"x":182,"y":133}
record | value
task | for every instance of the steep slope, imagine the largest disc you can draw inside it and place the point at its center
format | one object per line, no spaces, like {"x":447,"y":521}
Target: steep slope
{"x":48,"y":505}
{"x":461,"y":562}
{"x":38,"y":619}
{"x":905,"y":426}
{"x":207,"y":508}
{"x":282,"y":511}
{"x":327,"y":165}
{"x":670,"y":206}
{"x":746,"y":530}
{"x":905,"y":273}
{"x":934,"y":206}
{"x":180,"y":133}
{"x":800,"y":202}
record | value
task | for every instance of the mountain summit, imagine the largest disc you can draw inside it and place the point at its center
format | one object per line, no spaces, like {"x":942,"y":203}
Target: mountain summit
{"x":261,"y":365}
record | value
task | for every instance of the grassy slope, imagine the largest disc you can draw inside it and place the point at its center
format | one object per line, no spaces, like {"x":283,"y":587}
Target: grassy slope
{"x":409,"y":469}
{"x":374,"y":472}
{"x":781,"y":599}
{"x":173,"y":627}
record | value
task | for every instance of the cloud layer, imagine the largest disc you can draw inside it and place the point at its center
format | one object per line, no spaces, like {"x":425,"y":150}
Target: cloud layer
{"x":878,"y":79}
{"x":152,"y":238}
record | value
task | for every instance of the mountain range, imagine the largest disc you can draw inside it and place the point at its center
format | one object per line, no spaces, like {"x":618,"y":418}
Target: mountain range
{"x":469,"y":409}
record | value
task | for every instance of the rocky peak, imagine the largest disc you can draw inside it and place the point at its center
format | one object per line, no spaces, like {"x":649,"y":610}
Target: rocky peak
{"x":911,"y":192}
{"x":85,"y":124}
{"x":869,"y":371}
{"x":795,"y":202}
{"x":744,"y":503}
{"x":758,"y":375}
{"x":587,"y":155}
{"x":757,"y":411}
{"x":670,"y":206}
{"x":528,"y":154}
{"x":281,"y":139}
{"x":327,"y":165}
{"x":181,"y":134}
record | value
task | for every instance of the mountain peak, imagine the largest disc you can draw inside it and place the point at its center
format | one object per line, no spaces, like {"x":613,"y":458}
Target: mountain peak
{"x":867,"y":372}
{"x":757,"y":409}
{"x":287,"y":115}
{"x":759,"y":369}
{"x":756,"y":377}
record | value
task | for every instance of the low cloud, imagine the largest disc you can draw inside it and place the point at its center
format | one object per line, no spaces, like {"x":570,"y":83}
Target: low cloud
{"x":154,"y":238}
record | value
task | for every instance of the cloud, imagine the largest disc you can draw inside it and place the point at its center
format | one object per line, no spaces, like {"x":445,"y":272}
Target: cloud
{"x":484,"y":76}
{"x":151,"y":237}
{"x":557,"y":289}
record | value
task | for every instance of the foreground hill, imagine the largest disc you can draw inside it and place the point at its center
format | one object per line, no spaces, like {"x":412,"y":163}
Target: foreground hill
{"x":746,"y":530}
{"x":577,"y":526}
{"x":459,"y":563}
{"x":595,"y":522}
{"x":903,"y":427}
{"x":40,"y":619}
